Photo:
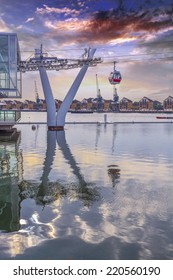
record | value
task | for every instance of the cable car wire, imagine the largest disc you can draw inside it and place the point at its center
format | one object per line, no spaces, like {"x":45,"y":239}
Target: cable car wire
{"x":118,"y":57}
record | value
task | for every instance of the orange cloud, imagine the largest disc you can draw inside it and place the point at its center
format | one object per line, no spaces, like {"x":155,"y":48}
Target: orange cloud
{"x":108,"y":26}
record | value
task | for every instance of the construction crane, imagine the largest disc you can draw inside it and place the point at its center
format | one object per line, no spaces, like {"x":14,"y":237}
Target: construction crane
{"x":115,"y":95}
{"x":37,"y":99}
{"x":99,"y":97}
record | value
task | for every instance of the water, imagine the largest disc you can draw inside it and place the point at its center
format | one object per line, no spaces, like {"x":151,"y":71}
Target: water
{"x":99,"y":117}
{"x":94,"y":191}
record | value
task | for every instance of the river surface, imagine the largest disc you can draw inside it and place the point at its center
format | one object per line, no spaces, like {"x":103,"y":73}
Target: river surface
{"x":92,"y":191}
{"x":100,"y":117}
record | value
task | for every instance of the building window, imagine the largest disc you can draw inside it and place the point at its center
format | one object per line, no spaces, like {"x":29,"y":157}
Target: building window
{"x":10,"y":78}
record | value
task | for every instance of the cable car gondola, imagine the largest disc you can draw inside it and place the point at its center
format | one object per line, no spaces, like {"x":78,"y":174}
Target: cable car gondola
{"x":115,"y":76}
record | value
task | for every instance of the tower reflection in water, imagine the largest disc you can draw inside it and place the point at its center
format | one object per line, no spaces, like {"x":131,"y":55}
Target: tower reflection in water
{"x":14,"y":188}
{"x":47,"y":192}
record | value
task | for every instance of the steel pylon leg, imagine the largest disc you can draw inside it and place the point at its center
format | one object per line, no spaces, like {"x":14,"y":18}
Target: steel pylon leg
{"x":50,"y":102}
{"x":61,"y":115}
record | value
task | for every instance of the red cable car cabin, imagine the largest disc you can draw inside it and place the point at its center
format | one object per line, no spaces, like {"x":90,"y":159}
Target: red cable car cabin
{"x":115,"y":77}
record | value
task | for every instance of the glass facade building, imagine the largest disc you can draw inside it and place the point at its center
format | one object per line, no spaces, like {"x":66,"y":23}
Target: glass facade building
{"x":10,"y":77}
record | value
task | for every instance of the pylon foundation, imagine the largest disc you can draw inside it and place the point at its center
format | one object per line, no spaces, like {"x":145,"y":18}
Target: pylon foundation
{"x":55,"y":128}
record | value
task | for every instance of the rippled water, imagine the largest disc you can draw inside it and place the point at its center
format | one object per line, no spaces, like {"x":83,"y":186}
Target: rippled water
{"x":89,"y":192}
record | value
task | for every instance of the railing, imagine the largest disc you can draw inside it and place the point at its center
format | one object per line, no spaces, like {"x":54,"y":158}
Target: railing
{"x":9,"y":116}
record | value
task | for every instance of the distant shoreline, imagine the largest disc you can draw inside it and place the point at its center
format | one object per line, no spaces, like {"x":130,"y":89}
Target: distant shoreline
{"x":99,"y":112}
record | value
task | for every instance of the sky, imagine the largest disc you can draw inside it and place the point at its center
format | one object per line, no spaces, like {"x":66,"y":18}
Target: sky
{"x":136,"y":34}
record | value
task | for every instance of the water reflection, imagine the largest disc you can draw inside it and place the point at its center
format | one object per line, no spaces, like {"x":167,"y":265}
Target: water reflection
{"x":114,"y":174}
{"x":61,"y":140}
{"x":94,"y":194}
{"x":112,"y":248}
{"x":84,"y":191}
{"x":114,"y":136}
{"x":10,"y":173}
{"x":43,"y":195}
{"x":47,"y":191}
{"x":97,"y":135}
{"x":14,"y":188}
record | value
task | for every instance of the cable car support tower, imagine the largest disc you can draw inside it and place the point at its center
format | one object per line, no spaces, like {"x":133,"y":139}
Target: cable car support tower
{"x":41,"y":62}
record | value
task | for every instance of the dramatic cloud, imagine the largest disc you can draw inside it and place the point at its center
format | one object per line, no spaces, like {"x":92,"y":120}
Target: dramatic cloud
{"x":131,"y":32}
{"x":107,"y":27}
{"x":113,"y":24}
{"x":50,"y":10}
{"x":160,"y":43}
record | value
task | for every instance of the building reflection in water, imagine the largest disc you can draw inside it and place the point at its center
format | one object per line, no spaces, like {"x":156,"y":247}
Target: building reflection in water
{"x":11,"y":163}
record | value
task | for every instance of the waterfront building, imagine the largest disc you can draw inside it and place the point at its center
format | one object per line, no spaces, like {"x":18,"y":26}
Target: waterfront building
{"x":157,"y":105}
{"x":76,"y":105}
{"x":135,"y":106}
{"x":107,"y":104}
{"x":114,"y":106}
{"x":9,"y":104}
{"x":44,"y":104}
{"x":84,"y":104}
{"x":89,"y":103}
{"x":17,"y":104}
{"x":125,"y":104}
{"x":10,"y":79}
{"x":146,"y":104}
{"x":29,"y":104}
{"x":2,"y":104}
{"x":168,"y":103}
